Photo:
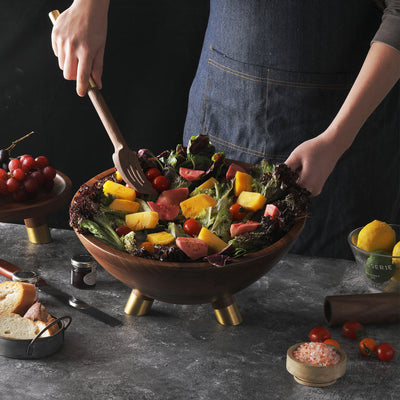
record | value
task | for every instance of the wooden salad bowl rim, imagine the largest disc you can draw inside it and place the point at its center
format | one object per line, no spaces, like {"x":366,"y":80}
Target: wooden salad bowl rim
{"x":283,"y":245}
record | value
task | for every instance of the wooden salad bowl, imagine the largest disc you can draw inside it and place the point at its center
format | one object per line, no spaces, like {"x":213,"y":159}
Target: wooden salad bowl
{"x":187,"y":282}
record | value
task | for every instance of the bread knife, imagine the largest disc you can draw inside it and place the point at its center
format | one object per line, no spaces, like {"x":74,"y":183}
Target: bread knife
{"x":7,"y":269}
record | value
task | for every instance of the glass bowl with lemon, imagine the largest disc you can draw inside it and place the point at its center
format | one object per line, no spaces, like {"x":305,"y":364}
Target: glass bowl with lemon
{"x":376,"y":249}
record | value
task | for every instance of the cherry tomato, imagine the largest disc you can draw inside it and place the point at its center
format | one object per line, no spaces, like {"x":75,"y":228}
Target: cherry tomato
{"x":192,"y":227}
{"x":237,"y":211}
{"x":161,"y":183}
{"x":122,"y":230}
{"x":319,"y":334}
{"x":385,"y":351}
{"x":333,"y":342}
{"x":148,"y":246}
{"x":352,"y":329}
{"x":152,"y":173}
{"x":367,"y":346}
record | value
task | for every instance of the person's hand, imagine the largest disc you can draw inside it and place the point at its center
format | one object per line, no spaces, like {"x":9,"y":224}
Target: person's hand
{"x":78,"y":40}
{"x":314,"y":161}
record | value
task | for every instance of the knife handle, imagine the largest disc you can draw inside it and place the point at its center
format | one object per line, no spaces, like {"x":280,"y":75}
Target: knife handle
{"x":7,"y":269}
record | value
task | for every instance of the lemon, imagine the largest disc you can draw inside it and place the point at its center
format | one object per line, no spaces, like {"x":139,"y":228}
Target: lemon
{"x":376,"y":235}
{"x":396,"y":253}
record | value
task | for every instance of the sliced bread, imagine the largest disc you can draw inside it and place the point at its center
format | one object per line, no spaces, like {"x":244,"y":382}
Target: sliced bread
{"x":16,"y":297}
{"x":13,"y":326}
{"x":16,"y":327}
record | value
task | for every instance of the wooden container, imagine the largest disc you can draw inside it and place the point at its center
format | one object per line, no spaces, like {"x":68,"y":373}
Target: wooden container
{"x":187,"y":282}
{"x":315,"y":375}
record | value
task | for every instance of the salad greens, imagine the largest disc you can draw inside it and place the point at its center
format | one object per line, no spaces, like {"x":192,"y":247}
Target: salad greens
{"x":89,"y":211}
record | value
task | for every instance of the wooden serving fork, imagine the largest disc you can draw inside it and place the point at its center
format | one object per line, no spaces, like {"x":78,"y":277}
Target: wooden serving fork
{"x":125,"y":160}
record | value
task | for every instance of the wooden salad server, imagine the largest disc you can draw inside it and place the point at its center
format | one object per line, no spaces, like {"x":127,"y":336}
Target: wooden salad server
{"x":125,"y":160}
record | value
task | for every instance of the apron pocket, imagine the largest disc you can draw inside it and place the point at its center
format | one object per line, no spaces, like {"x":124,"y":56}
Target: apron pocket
{"x":252,"y":112}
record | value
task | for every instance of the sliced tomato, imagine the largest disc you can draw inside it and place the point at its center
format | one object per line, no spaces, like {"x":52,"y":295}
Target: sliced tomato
{"x":191,"y":175}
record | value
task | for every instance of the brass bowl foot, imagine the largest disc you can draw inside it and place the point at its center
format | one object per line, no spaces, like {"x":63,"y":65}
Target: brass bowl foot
{"x":37,"y":230}
{"x":227,"y":311}
{"x":138,"y":304}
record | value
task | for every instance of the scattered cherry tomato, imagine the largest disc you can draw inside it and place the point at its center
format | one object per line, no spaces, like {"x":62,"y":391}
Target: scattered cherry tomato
{"x":367,"y":346}
{"x":192,"y":227}
{"x":237,"y":211}
{"x":161,"y":183}
{"x":319,"y":334}
{"x":333,"y":342}
{"x":148,"y":246}
{"x":385,"y":351}
{"x":122,"y":230}
{"x":152,"y":173}
{"x":352,"y":329}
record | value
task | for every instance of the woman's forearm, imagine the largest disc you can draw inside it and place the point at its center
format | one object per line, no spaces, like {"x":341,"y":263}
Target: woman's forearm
{"x":378,"y":75}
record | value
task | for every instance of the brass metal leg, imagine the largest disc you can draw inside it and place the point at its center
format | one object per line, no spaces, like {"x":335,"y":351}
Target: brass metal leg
{"x":227,"y":311}
{"x":138,"y":304}
{"x":37,"y":229}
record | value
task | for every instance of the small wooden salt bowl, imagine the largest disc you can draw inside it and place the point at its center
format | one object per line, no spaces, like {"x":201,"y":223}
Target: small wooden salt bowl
{"x":315,"y":375}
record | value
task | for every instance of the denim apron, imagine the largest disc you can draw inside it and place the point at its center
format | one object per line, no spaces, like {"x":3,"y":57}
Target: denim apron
{"x":274,"y":73}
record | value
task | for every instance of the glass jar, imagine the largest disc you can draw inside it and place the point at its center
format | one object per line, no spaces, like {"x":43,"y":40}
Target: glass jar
{"x":83,"y":271}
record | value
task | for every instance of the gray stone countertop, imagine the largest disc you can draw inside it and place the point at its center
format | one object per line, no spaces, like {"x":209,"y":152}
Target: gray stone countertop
{"x":182,"y":352}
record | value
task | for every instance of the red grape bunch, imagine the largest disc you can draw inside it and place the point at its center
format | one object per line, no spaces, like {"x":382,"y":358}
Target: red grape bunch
{"x":24,"y":177}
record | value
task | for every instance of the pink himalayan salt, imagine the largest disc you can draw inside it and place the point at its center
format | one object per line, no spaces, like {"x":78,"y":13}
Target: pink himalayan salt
{"x":316,"y":353}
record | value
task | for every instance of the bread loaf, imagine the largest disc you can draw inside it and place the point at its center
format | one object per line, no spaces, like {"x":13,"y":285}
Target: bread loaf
{"x":16,"y":297}
{"x":38,"y":313}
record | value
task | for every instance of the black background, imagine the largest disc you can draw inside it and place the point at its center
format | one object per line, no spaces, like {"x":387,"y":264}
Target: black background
{"x":152,"y":51}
